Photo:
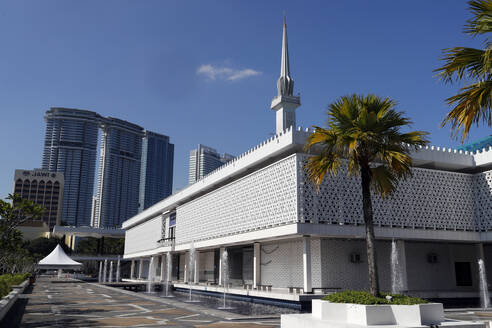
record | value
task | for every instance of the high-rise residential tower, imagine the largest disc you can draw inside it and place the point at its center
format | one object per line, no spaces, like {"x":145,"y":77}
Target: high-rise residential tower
{"x":119,"y":172}
{"x":70,"y":147}
{"x":156,"y":173}
{"x":204,"y":160}
{"x":44,"y":188}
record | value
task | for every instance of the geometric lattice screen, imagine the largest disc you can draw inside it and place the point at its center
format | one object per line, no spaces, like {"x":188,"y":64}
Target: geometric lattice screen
{"x":430,"y":199}
{"x":482,"y":194}
{"x":264,"y":198}
{"x":279,"y":194}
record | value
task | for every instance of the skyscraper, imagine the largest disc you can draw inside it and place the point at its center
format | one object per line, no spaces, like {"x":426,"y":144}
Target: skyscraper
{"x":44,"y":188}
{"x":70,"y":147}
{"x":119,"y":172}
{"x":156,"y":173}
{"x":204,"y":160}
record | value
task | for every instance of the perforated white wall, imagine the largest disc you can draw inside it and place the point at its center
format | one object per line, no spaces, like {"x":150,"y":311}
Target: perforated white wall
{"x":264,"y":198}
{"x":281,"y":264}
{"x":429,"y":199}
{"x":482,"y":194}
{"x":316,"y":265}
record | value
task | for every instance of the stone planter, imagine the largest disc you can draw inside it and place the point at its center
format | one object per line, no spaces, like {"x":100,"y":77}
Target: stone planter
{"x":369,"y":315}
{"x":9,"y":300}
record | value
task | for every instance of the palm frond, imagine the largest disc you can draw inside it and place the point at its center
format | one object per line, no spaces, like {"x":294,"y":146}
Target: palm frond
{"x":319,"y":165}
{"x":482,"y":17}
{"x":414,"y":139}
{"x":383,"y":180}
{"x":320,"y":136}
{"x":472,"y":105}
{"x":398,"y":161}
{"x":461,"y":62}
{"x":328,"y":161}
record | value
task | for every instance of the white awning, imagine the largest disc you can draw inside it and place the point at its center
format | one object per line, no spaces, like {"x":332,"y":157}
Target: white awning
{"x":57,"y":259}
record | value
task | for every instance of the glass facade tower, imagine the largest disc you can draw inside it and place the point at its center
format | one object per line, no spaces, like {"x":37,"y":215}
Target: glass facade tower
{"x":156,"y":175}
{"x":70,"y":147}
{"x":119,"y":172}
{"x":135,"y":166}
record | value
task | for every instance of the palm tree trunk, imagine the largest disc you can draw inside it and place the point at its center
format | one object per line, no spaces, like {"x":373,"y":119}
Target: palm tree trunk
{"x":370,"y":242}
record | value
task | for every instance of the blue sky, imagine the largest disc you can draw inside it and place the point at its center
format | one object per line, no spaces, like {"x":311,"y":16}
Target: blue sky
{"x":205,"y":71}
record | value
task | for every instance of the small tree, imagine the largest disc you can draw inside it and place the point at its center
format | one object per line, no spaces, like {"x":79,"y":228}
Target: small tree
{"x":13,"y":214}
{"x":365,"y":131}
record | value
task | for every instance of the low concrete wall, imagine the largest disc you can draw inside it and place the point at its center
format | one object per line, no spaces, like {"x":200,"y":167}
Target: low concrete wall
{"x":368,"y":315}
{"x":9,"y":300}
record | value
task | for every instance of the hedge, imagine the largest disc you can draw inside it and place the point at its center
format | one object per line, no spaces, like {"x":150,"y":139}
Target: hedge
{"x":362,"y":297}
{"x":8,"y":280}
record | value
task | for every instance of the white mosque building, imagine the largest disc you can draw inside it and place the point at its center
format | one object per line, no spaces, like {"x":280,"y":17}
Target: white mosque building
{"x":287,"y":241}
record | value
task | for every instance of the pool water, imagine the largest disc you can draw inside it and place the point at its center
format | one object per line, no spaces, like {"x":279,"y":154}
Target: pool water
{"x":237,"y":304}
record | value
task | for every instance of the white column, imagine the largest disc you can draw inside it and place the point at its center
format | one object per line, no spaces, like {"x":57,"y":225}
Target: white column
{"x":221,"y":251}
{"x":167,"y":223}
{"x":140,"y":268}
{"x":196,"y":267}
{"x":151,"y":273}
{"x":480,"y":252}
{"x":316,"y":263}
{"x":185,"y":278}
{"x":132,"y":269}
{"x":256,"y":265}
{"x":402,"y":257}
{"x":163,"y":267}
{"x":306,"y":264}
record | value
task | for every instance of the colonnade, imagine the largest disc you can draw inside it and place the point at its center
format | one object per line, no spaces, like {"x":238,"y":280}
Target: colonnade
{"x":313,"y":267}
{"x":195,"y":278}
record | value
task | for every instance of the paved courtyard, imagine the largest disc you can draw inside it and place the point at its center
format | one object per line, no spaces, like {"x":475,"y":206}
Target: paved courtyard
{"x":79,"y":304}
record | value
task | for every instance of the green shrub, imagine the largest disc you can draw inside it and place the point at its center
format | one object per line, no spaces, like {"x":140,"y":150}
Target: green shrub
{"x":8,"y":280}
{"x":19,"y":278}
{"x":4,"y":288}
{"x":361,"y":297}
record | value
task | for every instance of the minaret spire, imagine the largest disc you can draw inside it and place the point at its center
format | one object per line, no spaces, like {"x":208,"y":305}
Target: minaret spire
{"x":285,"y":103}
{"x":285,"y":84}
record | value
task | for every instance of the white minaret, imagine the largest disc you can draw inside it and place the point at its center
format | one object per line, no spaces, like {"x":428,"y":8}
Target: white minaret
{"x":285,"y":103}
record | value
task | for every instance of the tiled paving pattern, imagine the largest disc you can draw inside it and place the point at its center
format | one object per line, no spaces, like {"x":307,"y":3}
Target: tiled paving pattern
{"x":78,"y":304}
{"x":470,"y":315}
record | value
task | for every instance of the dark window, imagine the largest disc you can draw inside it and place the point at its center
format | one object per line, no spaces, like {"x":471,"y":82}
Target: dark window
{"x":463,"y":273}
{"x":171,"y":232}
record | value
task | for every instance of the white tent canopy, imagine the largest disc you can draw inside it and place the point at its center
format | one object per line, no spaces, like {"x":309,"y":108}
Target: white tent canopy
{"x":57,"y":259}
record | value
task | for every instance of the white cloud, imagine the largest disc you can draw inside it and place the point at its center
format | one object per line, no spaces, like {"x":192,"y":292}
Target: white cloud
{"x":225,"y":73}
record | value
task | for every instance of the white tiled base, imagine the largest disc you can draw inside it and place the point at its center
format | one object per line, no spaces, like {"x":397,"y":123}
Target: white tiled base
{"x":308,"y":321}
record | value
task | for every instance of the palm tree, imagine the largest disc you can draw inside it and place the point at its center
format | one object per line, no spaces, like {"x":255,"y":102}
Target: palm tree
{"x":364,"y":133}
{"x":473,"y":102}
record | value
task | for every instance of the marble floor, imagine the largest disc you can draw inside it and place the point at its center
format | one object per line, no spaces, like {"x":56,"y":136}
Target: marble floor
{"x":71,"y":303}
